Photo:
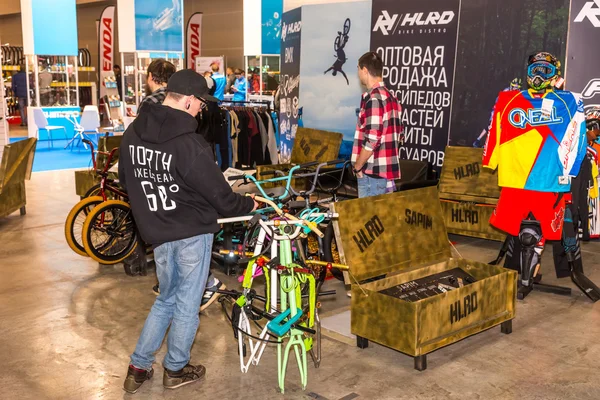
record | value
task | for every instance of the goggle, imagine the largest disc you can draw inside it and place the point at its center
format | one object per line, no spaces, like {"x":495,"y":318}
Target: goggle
{"x":543,"y":69}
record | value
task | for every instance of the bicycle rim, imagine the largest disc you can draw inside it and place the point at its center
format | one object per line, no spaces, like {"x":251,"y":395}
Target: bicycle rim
{"x":109,"y":232}
{"x":76,"y":220}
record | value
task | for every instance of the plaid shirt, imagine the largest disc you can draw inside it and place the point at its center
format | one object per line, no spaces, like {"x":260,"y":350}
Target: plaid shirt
{"x":157,"y":97}
{"x":379,"y":130}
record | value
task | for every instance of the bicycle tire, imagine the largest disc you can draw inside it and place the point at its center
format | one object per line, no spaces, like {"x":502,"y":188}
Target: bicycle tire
{"x":347,"y":24}
{"x":328,"y":250}
{"x":336,"y":43}
{"x":74,"y":239}
{"x":112,"y":250}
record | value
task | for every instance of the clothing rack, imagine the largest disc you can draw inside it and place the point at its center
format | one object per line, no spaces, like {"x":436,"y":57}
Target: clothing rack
{"x":251,"y":103}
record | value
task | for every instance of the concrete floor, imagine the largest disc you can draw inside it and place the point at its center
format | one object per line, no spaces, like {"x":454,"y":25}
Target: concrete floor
{"x":68,"y":325}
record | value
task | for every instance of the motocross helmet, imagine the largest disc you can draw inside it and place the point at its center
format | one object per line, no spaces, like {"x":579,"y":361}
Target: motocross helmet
{"x":515,"y":84}
{"x":592,"y":118}
{"x":542,"y":69}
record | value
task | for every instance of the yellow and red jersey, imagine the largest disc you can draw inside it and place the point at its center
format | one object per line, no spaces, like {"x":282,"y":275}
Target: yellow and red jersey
{"x":537,"y":142}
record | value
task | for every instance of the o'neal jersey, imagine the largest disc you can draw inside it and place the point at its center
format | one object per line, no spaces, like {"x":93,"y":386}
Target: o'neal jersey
{"x":537,"y":143}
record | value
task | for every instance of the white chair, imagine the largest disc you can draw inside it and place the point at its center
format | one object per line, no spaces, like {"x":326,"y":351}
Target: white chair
{"x":89,"y":124}
{"x":42,"y":124}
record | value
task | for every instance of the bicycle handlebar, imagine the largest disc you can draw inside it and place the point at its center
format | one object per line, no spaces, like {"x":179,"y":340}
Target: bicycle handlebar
{"x":109,"y":159}
{"x":311,"y":225}
{"x":327,"y":264}
{"x":335,"y":162}
{"x":308,"y":164}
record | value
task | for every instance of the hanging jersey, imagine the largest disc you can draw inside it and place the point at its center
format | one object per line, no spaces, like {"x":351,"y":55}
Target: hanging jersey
{"x":537,"y":143}
{"x":594,"y":197}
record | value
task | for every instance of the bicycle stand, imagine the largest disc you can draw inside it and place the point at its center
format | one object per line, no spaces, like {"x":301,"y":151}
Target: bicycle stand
{"x":523,"y":291}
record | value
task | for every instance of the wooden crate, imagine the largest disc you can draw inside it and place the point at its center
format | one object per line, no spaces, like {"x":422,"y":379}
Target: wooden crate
{"x":310,"y":145}
{"x":16,"y":162}
{"x":400,"y":237}
{"x":315,"y":145}
{"x":468,"y":194}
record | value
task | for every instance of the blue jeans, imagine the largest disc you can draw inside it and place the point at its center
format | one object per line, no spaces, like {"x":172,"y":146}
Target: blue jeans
{"x":182,"y":269}
{"x":368,"y":186}
{"x":22,"y":109}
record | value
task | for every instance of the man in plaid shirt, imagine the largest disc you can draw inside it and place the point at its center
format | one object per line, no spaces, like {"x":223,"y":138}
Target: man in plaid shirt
{"x":375,"y":154}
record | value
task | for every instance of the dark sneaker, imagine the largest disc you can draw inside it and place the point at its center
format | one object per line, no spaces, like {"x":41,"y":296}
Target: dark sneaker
{"x":210,"y":294}
{"x":135,"y":378}
{"x":156,"y":289}
{"x":188,"y":374}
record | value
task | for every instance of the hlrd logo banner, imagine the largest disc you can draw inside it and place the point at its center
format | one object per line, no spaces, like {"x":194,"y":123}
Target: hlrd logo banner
{"x":387,"y":23}
{"x":417,"y":43}
{"x":582,"y":74}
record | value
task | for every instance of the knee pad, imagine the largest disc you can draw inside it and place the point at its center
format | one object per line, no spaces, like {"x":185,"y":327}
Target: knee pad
{"x":529,"y":237}
{"x":530,"y":234}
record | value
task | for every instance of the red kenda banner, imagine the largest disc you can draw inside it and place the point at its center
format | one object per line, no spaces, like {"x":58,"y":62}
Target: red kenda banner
{"x":193,"y":35}
{"x":106,"y":44}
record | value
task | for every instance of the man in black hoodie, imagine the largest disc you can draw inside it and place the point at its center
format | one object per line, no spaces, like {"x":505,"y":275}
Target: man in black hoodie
{"x":177,"y":192}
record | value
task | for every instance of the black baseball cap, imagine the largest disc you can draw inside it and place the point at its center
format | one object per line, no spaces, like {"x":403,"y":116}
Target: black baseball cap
{"x":190,"y":83}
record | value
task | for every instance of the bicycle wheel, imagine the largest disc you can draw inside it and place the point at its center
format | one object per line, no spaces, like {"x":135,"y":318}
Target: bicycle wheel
{"x":347,"y":26}
{"x":109,"y":234}
{"x":336,"y":44}
{"x":330,"y":252}
{"x":75,"y":221}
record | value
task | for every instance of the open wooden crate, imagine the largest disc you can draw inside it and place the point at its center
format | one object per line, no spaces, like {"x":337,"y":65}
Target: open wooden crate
{"x":396,"y":238}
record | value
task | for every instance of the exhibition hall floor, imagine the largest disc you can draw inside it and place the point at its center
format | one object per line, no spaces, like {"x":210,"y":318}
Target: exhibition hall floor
{"x":68,"y":325}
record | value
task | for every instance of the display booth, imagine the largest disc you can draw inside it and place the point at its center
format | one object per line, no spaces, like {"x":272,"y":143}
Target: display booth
{"x":147,"y":30}
{"x":51,"y":63}
{"x":262,"y":47}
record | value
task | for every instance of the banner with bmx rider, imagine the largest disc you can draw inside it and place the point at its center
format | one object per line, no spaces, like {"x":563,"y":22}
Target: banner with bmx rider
{"x":334,"y":36}
{"x":417,"y":41}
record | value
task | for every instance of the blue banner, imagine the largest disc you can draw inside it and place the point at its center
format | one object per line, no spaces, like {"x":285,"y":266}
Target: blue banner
{"x":271,"y":26}
{"x":159,"y":25}
{"x":291,"y":30}
{"x":54,"y":27}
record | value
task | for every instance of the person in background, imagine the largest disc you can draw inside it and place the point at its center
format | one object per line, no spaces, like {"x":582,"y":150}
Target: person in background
{"x":19,"y":88}
{"x":176,"y":203}
{"x":117,"y":71}
{"x":45,"y":80}
{"x":210,"y":82}
{"x":158,"y":74}
{"x":255,"y":86}
{"x":220,"y":81}
{"x":230,"y":80}
{"x":375,"y":153}
{"x":240,"y":87}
